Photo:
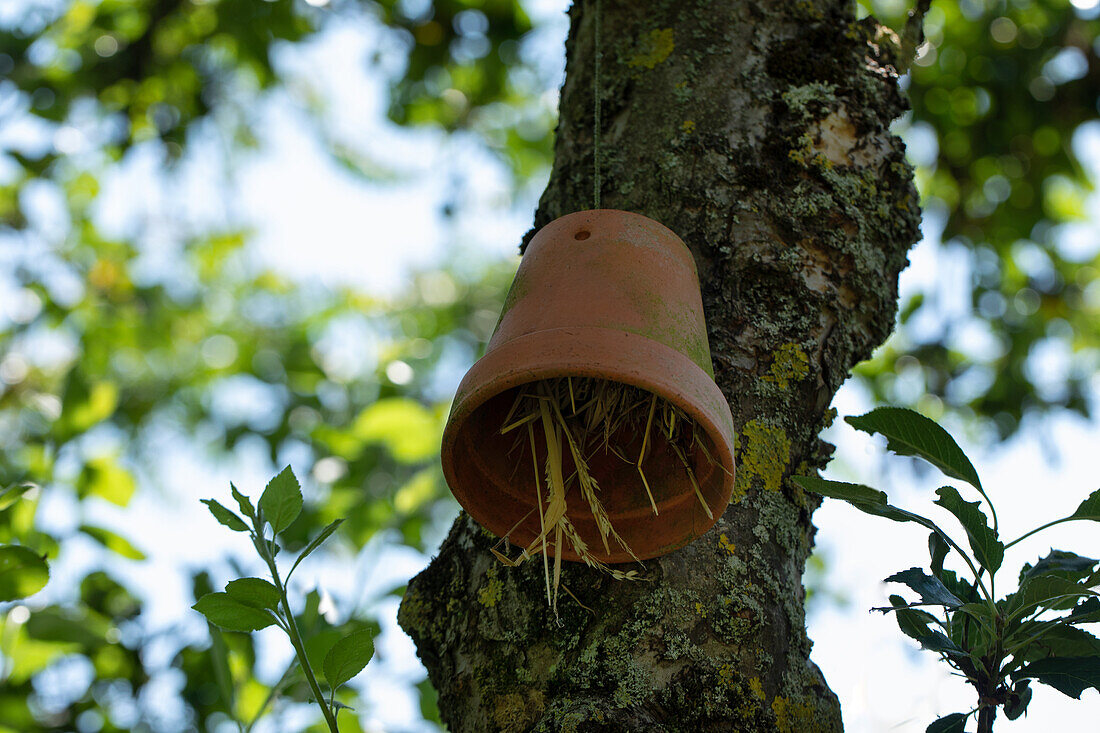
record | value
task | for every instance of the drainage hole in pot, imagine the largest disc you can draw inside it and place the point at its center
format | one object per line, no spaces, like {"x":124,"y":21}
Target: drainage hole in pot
{"x":582,"y":235}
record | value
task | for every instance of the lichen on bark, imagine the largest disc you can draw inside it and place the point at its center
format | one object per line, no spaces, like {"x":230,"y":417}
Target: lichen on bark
{"x":760,"y":134}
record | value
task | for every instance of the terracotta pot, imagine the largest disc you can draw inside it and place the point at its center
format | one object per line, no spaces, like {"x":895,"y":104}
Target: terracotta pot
{"x":606,"y":294}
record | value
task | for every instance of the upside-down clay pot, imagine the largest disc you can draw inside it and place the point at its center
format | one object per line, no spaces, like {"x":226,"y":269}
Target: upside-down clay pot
{"x":612,"y":295}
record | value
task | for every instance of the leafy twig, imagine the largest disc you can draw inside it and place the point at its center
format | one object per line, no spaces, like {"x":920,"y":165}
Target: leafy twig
{"x":998,"y":646}
{"x":250,"y":604}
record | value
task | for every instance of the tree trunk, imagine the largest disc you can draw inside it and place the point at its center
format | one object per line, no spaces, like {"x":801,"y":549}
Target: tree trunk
{"x":758,"y":131}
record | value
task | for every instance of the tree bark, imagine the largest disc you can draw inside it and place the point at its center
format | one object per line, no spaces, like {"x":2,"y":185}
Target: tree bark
{"x":759,"y":132}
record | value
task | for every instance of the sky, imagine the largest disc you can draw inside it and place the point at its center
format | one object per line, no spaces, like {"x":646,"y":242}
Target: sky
{"x":318,"y":222}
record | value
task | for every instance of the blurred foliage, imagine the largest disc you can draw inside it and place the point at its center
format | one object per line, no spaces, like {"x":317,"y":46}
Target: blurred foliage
{"x":1003,"y":87}
{"x":144,"y":357}
{"x":103,"y":357}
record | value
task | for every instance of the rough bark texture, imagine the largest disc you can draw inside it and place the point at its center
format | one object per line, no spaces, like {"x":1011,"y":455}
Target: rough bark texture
{"x":758,"y":131}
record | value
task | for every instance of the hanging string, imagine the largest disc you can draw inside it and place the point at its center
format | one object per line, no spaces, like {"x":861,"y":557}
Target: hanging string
{"x":596,"y":123}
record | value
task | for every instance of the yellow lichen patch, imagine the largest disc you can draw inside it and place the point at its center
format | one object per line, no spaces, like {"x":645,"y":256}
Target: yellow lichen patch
{"x":725,"y":544}
{"x":653,"y":48}
{"x":688,"y":126}
{"x":808,"y":10}
{"x":757,"y":688}
{"x":792,"y":717}
{"x":765,"y":449}
{"x":491,"y":592}
{"x":727,"y":676}
{"x":790,"y":364}
{"x":513,"y":711}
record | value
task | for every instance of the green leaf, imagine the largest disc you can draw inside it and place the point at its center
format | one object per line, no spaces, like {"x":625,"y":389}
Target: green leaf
{"x":958,"y":587}
{"x":953,"y":723}
{"x":1018,"y":699}
{"x":978,"y":611}
{"x":12,"y":494}
{"x":913,"y":622}
{"x":224,"y":516}
{"x":408,"y":429}
{"x":1089,"y":509}
{"x":281,"y":502}
{"x":1069,"y":675}
{"x":909,"y":433}
{"x":242,"y":502}
{"x":114,"y":542}
{"x":971,"y":629}
{"x":223,"y":675}
{"x":937,"y":641}
{"x":930,"y":588}
{"x":1066,"y":564}
{"x":348,"y":657}
{"x":1045,"y":591}
{"x":318,"y":642}
{"x":317,"y":541}
{"x":108,"y":480}
{"x":1061,"y":641}
{"x":1086,"y":612}
{"x":988,"y":550}
{"x":22,"y":572}
{"x":429,"y":702}
{"x":81,"y":626}
{"x":854,"y":494}
{"x":864,"y":498}
{"x":230,"y":614}
{"x":254,"y":592}
{"x":937,"y":551}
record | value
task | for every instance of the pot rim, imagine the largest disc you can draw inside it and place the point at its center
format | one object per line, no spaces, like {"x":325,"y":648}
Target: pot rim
{"x":603,"y":353}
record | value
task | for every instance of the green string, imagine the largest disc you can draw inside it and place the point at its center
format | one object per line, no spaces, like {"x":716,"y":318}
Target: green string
{"x":596,"y":98}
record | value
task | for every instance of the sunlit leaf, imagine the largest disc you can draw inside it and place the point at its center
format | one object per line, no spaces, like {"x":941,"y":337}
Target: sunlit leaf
{"x":909,"y":433}
{"x":243,"y":502}
{"x":110,"y":481}
{"x":348,"y":657}
{"x":419,"y":490}
{"x":281,"y":502}
{"x":13,"y":494}
{"x":255,"y":592}
{"x":102,"y":399}
{"x":22,"y":572}
{"x":230,"y":614}
{"x":408,"y":429}
{"x":224,"y":516}
{"x":113,"y":541}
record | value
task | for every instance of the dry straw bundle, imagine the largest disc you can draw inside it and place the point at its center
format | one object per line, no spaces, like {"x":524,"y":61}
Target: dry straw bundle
{"x":578,"y":421}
